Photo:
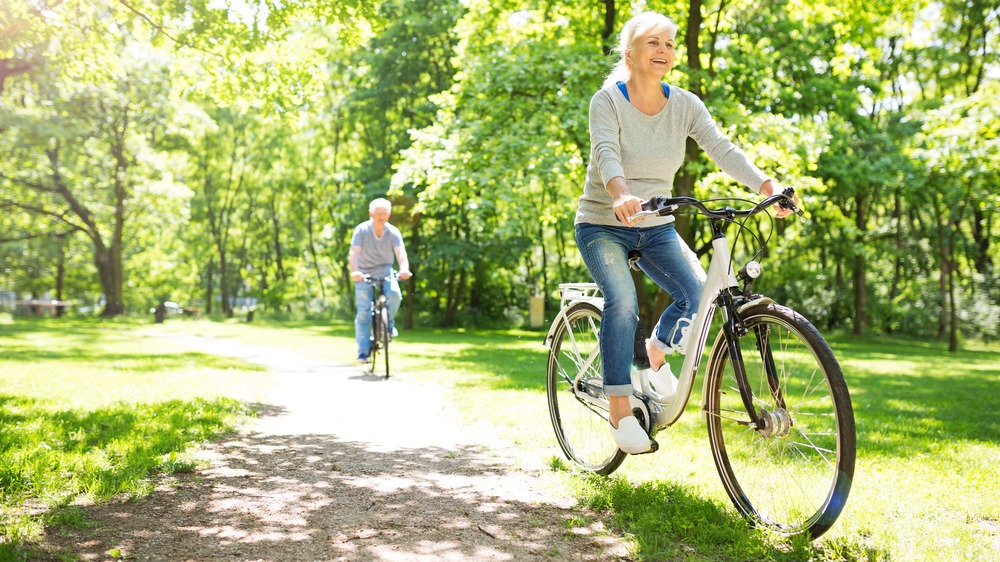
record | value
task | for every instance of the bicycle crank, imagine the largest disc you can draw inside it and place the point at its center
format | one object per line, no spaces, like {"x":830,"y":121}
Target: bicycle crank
{"x":647,"y":418}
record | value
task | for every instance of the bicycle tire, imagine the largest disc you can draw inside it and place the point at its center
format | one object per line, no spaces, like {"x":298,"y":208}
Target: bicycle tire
{"x":793,"y":478}
{"x":386,"y":336}
{"x":373,"y":348}
{"x":581,"y":427}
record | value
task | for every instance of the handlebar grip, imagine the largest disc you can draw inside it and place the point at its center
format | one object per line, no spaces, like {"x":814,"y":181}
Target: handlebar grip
{"x":787,"y":203}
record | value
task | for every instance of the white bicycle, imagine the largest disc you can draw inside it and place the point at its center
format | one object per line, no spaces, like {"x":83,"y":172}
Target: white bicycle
{"x":779,"y":416}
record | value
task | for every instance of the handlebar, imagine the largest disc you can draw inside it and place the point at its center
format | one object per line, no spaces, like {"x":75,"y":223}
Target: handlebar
{"x":366,"y":278}
{"x":664,"y":206}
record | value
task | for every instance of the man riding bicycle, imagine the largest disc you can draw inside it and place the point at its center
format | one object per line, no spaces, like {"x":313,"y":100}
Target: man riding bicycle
{"x":374,"y":244}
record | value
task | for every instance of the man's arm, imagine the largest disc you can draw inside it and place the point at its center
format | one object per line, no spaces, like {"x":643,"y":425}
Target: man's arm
{"x":352,"y":262}
{"x":404,"y":263}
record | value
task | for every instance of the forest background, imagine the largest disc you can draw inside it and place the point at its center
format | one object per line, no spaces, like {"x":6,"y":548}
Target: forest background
{"x":218,"y":154}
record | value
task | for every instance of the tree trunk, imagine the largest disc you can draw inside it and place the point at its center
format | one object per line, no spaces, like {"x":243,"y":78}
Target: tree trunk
{"x":276,"y":232}
{"x":684,"y":184}
{"x":107,"y":259}
{"x":897,"y":273}
{"x":981,"y":224}
{"x":951,"y":264}
{"x":449,"y":306}
{"x":692,"y":43}
{"x":545,"y":257}
{"x":109,"y":270}
{"x":953,"y":306}
{"x":838,"y":291}
{"x":411,"y":284}
{"x":943,"y":262}
{"x":9,"y":67}
{"x":60,"y":275}
{"x":209,"y":285}
{"x":860,"y":296}
{"x":608,"y":31}
{"x":312,"y":242}
{"x":115,"y":270}
{"x":860,"y":282}
{"x":227,"y":307}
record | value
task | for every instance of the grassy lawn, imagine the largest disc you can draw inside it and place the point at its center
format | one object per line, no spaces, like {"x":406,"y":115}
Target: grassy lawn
{"x":925,"y":487}
{"x":87,"y":410}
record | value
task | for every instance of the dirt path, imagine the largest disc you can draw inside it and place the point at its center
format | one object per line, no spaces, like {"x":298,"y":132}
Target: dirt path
{"x":344,"y":466}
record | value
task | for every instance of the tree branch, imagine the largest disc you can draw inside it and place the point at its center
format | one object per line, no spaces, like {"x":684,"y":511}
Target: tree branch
{"x":43,"y":235}
{"x":27,"y":183}
{"x":7,"y":70}
{"x":10,"y":204}
{"x":160,"y":28}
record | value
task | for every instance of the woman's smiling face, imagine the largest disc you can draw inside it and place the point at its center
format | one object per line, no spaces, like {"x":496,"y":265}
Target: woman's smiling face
{"x":652,"y":54}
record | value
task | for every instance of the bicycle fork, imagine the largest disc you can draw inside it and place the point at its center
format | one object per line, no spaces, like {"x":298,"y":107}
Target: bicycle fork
{"x":766,"y":423}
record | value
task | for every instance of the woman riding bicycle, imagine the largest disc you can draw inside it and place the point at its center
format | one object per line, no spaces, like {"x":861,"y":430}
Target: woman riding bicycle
{"x":638,"y":131}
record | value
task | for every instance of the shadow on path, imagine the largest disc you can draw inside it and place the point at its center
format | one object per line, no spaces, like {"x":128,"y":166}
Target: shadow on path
{"x":313,"y":497}
{"x":338,"y":467}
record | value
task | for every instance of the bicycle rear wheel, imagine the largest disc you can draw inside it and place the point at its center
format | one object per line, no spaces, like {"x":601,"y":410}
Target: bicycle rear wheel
{"x":581,"y":426}
{"x":794,"y":474}
{"x":385,"y":336}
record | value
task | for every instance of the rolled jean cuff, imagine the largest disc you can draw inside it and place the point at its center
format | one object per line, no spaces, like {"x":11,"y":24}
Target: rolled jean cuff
{"x":618,"y":389}
{"x":664,"y":347}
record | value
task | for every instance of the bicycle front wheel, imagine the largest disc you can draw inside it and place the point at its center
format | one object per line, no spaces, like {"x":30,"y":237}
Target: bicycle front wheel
{"x":581,"y":425}
{"x":376,"y":342}
{"x":386,"y":336}
{"x":793,"y":474}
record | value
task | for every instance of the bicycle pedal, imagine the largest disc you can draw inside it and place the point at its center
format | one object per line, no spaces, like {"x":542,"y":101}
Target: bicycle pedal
{"x":652,"y":449}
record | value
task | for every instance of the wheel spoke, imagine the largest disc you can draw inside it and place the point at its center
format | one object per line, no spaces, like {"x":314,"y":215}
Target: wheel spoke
{"x":785,"y":476}
{"x":580,"y":425}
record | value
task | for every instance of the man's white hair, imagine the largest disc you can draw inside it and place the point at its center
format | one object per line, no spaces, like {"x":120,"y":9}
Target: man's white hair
{"x":380,"y":203}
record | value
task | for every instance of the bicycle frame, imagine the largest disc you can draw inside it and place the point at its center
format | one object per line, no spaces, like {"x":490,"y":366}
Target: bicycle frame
{"x":720,"y":276}
{"x":379,"y":315}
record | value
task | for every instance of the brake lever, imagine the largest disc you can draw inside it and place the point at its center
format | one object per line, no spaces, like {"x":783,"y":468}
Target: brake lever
{"x":650,"y":208}
{"x":642,"y":214}
{"x":788,"y":204}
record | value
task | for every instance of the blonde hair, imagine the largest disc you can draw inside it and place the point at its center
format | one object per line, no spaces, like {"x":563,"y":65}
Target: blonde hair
{"x":646,"y":23}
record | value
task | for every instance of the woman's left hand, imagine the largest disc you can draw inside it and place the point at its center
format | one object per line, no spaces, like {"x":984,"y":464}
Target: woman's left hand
{"x":767,"y":190}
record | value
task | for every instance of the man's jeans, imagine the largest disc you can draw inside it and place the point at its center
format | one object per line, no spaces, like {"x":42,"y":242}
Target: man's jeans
{"x":605,"y":252}
{"x":364,"y":294}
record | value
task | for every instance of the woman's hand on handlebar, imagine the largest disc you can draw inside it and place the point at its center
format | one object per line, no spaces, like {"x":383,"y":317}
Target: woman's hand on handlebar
{"x":357,"y":276}
{"x":767,"y":190}
{"x":625,"y":206}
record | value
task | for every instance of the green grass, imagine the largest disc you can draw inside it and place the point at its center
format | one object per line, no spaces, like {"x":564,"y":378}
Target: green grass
{"x":89,"y":410}
{"x":925,"y":485}
{"x":928,"y":446}
{"x":928,"y":437}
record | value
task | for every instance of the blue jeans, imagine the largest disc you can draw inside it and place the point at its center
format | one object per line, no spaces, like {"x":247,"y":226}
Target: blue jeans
{"x":364,"y":294}
{"x":605,"y":252}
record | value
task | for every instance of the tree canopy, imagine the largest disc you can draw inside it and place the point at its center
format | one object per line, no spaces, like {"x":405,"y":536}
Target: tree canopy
{"x":219,"y":153}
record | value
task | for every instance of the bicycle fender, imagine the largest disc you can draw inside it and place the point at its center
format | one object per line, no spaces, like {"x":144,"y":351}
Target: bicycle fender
{"x":561,"y":316}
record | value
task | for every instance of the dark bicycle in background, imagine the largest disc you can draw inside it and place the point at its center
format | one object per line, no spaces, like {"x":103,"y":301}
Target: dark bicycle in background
{"x":381,"y":331}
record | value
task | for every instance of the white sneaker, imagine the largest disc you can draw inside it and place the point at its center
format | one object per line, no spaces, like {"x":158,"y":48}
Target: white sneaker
{"x":630,"y":437}
{"x":664,"y":382}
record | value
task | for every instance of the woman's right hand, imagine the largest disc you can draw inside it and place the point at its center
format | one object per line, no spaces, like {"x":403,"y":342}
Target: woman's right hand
{"x":625,"y":206}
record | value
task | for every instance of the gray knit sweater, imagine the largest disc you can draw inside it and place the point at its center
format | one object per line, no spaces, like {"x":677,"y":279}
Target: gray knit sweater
{"x":647,"y":150}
